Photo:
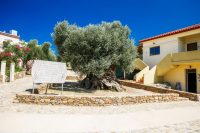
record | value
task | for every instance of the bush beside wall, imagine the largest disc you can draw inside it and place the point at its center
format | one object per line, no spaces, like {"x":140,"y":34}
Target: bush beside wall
{"x":19,"y":75}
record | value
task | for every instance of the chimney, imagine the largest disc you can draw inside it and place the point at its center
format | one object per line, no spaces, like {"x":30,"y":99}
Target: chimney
{"x":13,"y":32}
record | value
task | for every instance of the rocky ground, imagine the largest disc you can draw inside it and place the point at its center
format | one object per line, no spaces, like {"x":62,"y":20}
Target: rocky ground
{"x":187,"y":125}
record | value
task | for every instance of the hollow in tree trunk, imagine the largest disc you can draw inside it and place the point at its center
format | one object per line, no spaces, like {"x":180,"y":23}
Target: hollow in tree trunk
{"x":107,"y":82}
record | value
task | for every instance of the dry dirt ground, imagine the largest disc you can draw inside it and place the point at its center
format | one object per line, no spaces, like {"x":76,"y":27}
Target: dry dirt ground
{"x":72,"y":88}
{"x":171,"y":117}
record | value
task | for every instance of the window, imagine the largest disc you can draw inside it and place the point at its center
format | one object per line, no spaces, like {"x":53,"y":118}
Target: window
{"x":155,"y":50}
{"x":191,"y":46}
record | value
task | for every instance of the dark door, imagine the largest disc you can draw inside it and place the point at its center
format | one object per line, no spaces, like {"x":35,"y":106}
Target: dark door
{"x":191,"y":46}
{"x":191,"y":80}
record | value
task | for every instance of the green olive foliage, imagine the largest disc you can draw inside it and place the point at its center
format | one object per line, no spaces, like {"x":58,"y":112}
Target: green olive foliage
{"x":42,"y":52}
{"x":93,"y":49}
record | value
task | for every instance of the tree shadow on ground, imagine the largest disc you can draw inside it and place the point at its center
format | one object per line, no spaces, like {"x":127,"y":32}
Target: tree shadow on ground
{"x":31,"y":90}
{"x":71,"y":87}
{"x":37,"y":92}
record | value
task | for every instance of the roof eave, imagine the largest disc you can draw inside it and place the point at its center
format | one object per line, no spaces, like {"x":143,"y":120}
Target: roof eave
{"x":189,"y":28}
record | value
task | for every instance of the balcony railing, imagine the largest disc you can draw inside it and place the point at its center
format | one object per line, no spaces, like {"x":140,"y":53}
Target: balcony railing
{"x":174,"y":59}
{"x":185,"y":57}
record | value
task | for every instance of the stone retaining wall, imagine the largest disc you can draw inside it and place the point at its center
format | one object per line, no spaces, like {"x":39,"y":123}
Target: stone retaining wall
{"x":191,"y":96}
{"x":19,"y":75}
{"x":92,"y":100}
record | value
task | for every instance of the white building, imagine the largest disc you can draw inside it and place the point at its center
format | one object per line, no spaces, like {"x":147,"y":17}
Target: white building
{"x":172,"y":57}
{"x":12,"y":36}
{"x":157,"y":47}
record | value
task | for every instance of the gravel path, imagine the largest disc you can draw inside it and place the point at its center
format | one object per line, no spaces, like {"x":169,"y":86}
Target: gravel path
{"x":186,"y":125}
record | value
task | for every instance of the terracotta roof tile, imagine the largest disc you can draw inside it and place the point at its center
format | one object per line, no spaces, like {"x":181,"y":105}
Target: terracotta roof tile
{"x":193,"y":27}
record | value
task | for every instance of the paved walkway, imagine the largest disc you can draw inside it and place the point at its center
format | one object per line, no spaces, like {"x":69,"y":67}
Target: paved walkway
{"x":181,"y":117}
{"x":99,"y":123}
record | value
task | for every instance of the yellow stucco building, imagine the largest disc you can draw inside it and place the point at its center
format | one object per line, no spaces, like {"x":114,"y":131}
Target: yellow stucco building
{"x":173,"y":57}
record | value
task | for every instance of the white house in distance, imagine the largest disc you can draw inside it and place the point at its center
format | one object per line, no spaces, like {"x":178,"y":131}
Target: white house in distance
{"x":12,"y":36}
{"x":172,"y":57}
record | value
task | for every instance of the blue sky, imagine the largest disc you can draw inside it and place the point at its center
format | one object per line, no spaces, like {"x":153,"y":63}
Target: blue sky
{"x":35,"y":19}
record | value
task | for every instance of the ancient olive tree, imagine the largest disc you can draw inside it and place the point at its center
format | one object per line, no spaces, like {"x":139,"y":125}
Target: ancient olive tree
{"x":96,"y":50}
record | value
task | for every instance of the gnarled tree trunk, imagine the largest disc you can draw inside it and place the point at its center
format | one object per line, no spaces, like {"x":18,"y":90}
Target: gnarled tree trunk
{"x":107,"y":82}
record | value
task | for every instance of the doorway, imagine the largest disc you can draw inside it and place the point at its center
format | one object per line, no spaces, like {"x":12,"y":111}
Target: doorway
{"x":191,"y":80}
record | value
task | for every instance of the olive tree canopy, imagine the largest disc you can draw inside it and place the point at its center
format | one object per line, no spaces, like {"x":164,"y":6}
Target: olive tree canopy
{"x":94,"y":49}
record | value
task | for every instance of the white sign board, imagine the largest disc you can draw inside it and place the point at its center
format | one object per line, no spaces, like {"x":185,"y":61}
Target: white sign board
{"x":48,"y":72}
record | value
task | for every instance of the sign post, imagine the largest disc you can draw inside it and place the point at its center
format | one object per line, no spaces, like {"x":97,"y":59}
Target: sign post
{"x":48,"y":72}
{"x":33,"y":88}
{"x":62,"y":89}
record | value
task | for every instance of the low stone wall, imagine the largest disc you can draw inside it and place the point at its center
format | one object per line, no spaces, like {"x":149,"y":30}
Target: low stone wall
{"x":1,"y":78}
{"x":19,"y":75}
{"x":72,"y":78}
{"x":92,"y":100}
{"x":191,"y":96}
